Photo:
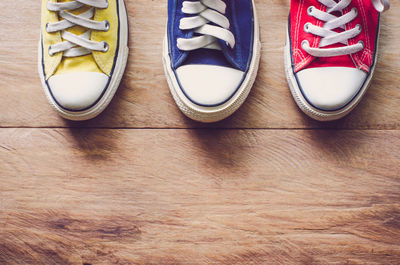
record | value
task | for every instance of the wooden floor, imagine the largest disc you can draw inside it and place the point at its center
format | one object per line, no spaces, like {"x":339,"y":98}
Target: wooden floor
{"x":143,"y":184}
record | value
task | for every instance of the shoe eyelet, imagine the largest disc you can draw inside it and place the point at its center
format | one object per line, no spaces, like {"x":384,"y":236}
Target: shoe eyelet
{"x":307,"y":27}
{"x":304,"y":43}
{"x":106,"y":47}
{"x":50,"y":52}
{"x":355,"y":10}
{"x":107,"y":4}
{"x":362,"y":43}
{"x":310,"y":10}
{"x":359,"y":27}
{"x":107,"y":25}
{"x":47,"y":27}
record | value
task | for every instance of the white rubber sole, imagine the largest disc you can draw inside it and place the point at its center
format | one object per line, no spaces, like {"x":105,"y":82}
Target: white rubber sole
{"x":305,"y":106}
{"x":217,"y":113}
{"x":116,"y":77}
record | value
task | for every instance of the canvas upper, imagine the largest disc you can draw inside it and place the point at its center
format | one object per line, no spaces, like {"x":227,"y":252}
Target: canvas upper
{"x":368,"y":19}
{"x":330,"y":82}
{"x":77,"y":83}
{"x":214,"y":85}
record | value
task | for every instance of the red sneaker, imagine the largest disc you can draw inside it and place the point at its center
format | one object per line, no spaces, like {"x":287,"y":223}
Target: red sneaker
{"x":330,"y":54}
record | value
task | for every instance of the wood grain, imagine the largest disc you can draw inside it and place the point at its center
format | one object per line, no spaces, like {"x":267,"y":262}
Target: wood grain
{"x":141,"y":184}
{"x":144,"y":101}
{"x":80,"y":196}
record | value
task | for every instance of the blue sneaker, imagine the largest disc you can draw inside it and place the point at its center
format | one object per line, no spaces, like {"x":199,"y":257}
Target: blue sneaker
{"x":211,"y":55}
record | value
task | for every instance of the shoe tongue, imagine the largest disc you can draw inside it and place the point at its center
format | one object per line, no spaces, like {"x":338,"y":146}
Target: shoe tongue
{"x":206,"y":56}
{"x":83,"y":63}
{"x":336,"y":61}
{"x":212,"y":55}
{"x":77,"y":30}
{"x":223,"y":56}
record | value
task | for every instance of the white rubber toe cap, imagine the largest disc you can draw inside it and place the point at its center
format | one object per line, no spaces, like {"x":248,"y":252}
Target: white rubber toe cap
{"x":77,"y":91}
{"x":331,"y":88}
{"x":209,"y":84}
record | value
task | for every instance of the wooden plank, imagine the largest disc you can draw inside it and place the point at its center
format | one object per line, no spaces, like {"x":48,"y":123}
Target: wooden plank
{"x":199,"y":196}
{"x":144,"y":101}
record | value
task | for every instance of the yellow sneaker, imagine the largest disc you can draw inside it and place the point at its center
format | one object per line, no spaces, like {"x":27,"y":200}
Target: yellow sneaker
{"x":83,"y":52}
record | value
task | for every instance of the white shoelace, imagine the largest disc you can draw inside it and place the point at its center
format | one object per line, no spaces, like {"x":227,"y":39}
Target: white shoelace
{"x":74,"y":45}
{"x":327,"y":33}
{"x":207,"y":35}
